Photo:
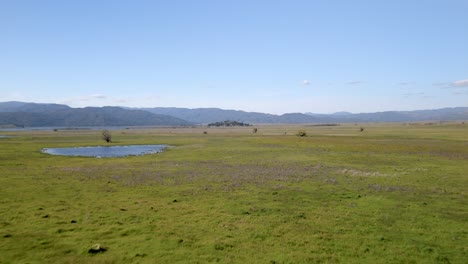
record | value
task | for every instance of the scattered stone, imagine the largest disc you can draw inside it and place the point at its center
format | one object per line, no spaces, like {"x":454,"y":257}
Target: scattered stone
{"x":7,"y":235}
{"x":175,"y":201}
{"x":97,"y":248}
{"x":123,"y":209}
{"x":46,"y":216}
{"x":73,"y":221}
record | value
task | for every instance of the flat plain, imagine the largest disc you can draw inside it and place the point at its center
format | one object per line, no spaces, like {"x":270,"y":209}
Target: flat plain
{"x":392,"y":193}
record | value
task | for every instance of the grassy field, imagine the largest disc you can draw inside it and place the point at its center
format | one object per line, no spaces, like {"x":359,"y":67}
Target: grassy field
{"x":393,"y":193}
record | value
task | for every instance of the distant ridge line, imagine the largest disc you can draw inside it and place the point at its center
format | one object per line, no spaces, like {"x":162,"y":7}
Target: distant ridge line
{"x":38,"y":114}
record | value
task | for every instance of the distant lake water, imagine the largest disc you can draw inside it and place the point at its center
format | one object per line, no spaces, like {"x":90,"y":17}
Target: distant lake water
{"x":106,"y":151}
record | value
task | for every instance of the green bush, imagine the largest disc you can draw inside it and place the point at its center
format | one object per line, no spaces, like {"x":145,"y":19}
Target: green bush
{"x":301,"y":133}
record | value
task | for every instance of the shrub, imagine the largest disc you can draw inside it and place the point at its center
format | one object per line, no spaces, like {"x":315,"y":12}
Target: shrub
{"x":301,"y":133}
{"x":106,"y":136}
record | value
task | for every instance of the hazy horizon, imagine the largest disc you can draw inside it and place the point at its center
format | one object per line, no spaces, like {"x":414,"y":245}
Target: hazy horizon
{"x":255,"y":56}
{"x":344,"y":111}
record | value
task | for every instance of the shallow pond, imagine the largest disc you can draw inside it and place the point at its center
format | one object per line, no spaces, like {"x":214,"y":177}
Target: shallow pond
{"x":106,"y":151}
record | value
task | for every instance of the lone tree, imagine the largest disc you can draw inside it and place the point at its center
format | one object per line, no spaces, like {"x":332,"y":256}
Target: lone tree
{"x":106,"y":135}
{"x":301,"y":133}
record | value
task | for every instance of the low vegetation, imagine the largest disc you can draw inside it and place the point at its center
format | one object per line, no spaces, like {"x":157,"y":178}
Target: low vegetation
{"x":301,"y":133}
{"x":395,"y":194}
{"x":228,"y":123}
{"x":107,"y":136}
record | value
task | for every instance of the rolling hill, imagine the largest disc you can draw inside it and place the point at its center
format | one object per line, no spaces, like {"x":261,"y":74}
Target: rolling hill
{"x":210,"y":115}
{"x":36,"y":115}
{"x":40,"y":115}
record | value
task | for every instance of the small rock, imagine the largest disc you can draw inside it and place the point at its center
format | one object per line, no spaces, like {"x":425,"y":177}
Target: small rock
{"x":73,"y":221}
{"x":175,"y":201}
{"x":97,"y":248}
{"x":46,"y":216}
{"x":7,"y":235}
{"x":123,"y":209}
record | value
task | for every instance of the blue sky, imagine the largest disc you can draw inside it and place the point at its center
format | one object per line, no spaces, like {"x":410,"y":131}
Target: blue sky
{"x":266,"y":56}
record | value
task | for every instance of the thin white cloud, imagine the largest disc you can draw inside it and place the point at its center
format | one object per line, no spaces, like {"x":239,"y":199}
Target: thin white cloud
{"x":413,"y":94}
{"x":440,"y":84}
{"x":98,"y":96}
{"x":85,"y":100}
{"x":460,"y":93}
{"x":149,"y":100}
{"x":306,"y":82}
{"x":403,"y":83}
{"x":355,"y":82}
{"x":91,"y":97}
{"x":460,"y":83}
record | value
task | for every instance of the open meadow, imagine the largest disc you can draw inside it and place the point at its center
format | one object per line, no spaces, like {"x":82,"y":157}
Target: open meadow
{"x":392,"y":193}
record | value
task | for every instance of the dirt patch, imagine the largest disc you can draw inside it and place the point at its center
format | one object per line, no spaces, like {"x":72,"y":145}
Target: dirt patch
{"x":353,"y":172}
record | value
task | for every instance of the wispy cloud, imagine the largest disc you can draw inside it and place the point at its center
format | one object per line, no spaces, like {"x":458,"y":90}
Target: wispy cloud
{"x":418,"y":94}
{"x":148,"y":100}
{"x":460,"y":93}
{"x":440,"y":84}
{"x":454,"y":84}
{"x":460,"y":83}
{"x":92,"y":97}
{"x":403,"y":83}
{"x":355,"y":82}
{"x":85,"y":100}
{"x":305,"y":82}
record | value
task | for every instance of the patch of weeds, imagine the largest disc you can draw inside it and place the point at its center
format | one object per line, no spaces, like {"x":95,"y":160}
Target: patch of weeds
{"x":379,"y":188}
{"x":222,"y":246}
{"x":301,"y":133}
{"x":442,"y":259}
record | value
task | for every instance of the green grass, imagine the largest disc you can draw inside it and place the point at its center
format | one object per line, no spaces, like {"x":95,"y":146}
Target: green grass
{"x":394,"y":193}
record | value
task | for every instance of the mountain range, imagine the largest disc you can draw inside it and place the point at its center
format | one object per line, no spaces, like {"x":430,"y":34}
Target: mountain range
{"x":211,"y":115}
{"x":42,"y":115}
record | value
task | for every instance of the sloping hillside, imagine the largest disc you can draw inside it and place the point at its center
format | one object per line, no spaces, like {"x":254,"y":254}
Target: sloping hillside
{"x":36,"y":115}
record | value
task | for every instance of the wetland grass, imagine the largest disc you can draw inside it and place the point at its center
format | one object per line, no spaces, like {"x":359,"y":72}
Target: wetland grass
{"x":395,"y":193}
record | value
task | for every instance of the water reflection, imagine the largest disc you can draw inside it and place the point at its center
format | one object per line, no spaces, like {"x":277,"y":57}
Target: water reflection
{"x":106,"y":151}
